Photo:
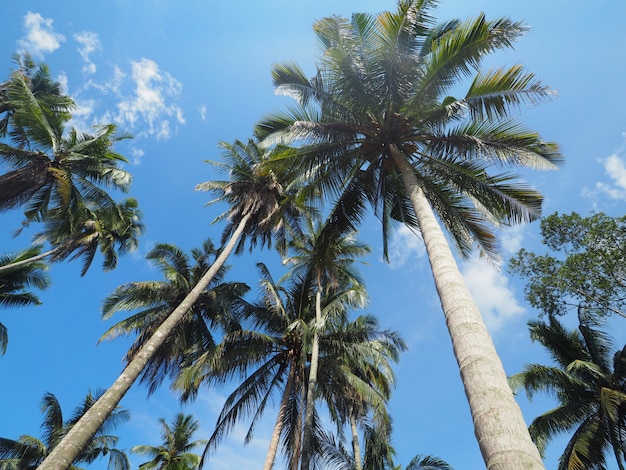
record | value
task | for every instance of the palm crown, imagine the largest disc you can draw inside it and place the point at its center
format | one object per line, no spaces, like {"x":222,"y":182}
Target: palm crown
{"x":384,"y":93}
{"x":52,"y":168}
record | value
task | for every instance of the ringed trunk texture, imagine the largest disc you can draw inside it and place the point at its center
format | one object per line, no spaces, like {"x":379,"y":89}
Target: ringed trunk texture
{"x":64,"y":454}
{"x":278,"y":427}
{"x":499,"y":425}
{"x":356,"y":446}
{"x":307,"y":441}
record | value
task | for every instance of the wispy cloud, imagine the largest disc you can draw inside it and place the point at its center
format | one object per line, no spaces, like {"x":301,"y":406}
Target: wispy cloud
{"x":89,"y":43}
{"x":150,"y":102}
{"x":405,"y":247}
{"x":202,"y":110}
{"x":40,"y":37}
{"x":489,"y":285}
{"x":492,"y":294}
{"x":616,"y":170}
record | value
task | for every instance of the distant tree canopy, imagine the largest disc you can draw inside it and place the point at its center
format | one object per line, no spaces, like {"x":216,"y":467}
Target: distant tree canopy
{"x":585,"y":268}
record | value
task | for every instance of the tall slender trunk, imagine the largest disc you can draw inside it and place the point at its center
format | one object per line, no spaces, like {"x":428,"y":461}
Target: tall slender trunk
{"x":30,"y":260}
{"x":64,"y":454}
{"x":307,"y":441}
{"x":356,"y":446}
{"x":278,"y":427}
{"x":499,"y":426}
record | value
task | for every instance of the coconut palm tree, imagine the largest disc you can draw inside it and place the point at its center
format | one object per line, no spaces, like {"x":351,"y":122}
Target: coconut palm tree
{"x":262,"y":208}
{"x":152,"y":302}
{"x":52,"y":168}
{"x":379,"y":453}
{"x":360,"y":397}
{"x":28,"y":452}
{"x":61,"y":175}
{"x":175,"y":451}
{"x":270,"y":357}
{"x":324,"y":259}
{"x":380,"y":120}
{"x":589,"y":382}
{"x":112,"y":230}
{"x":14,"y":282}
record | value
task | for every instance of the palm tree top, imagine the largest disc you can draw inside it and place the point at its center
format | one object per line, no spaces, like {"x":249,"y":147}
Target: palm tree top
{"x":386,"y":85}
{"x":256,"y":191}
{"x":175,"y":451}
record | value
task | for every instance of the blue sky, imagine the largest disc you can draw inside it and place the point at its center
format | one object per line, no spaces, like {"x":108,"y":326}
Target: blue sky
{"x":181,"y":76}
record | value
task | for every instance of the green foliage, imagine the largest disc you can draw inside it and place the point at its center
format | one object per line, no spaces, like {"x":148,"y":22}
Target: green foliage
{"x":61,"y":176}
{"x":174,"y":453}
{"x":15,"y":282}
{"x":585,"y":266}
{"x":382,"y":94}
{"x":28,"y":452}
{"x":153,"y":301}
{"x":589,"y":383}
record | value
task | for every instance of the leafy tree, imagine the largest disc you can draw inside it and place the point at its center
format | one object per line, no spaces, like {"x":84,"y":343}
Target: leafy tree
{"x":28,"y":452}
{"x":174,"y":453}
{"x":378,"y":121}
{"x":153,"y":301}
{"x":589,"y":382}
{"x":14,"y":282}
{"x":261,"y":207}
{"x":585,"y":266}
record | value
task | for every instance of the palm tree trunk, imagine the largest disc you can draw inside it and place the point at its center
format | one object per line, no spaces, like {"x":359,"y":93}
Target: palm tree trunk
{"x":278,"y":427}
{"x":356,"y":447}
{"x":71,"y":445}
{"x":307,"y":443}
{"x":499,"y":426}
{"x":32,"y":259}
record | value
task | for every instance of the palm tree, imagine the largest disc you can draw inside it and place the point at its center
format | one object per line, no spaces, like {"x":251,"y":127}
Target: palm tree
{"x":427,"y":462}
{"x":324,"y":260}
{"x":14,"y":282}
{"x":154,"y":300}
{"x":378,"y":120}
{"x":28,"y":452}
{"x":590,"y":386}
{"x":261,"y":208}
{"x":360,"y":396}
{"x":379,"y":453}
{"x":174,"y":453}
{"x":269,"y":358}
{"x":113,"y":230}
{"x":52,"y":168}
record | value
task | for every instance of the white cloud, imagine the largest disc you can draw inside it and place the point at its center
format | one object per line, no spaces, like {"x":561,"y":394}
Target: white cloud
{"x":89,"y":43}
{"x":136,"y":154}
{"x":63,"y":80}
{"x":405,"y":246}
{"x":149,"y":103}
{"x":511,"y":239}
{"x":202,"y":109}
{"x":490,"y":290}
{"x":615,"y":169}
{"x":40,"y":37}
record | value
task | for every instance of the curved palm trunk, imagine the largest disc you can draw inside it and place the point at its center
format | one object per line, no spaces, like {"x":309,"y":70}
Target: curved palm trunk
{"x":32,"y":259}
{"x":71,"y":445}
{"x":499,"y":426}
{"x":278,"y":427}
{"x":307,"y":443}
{"x":356,"y":446}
